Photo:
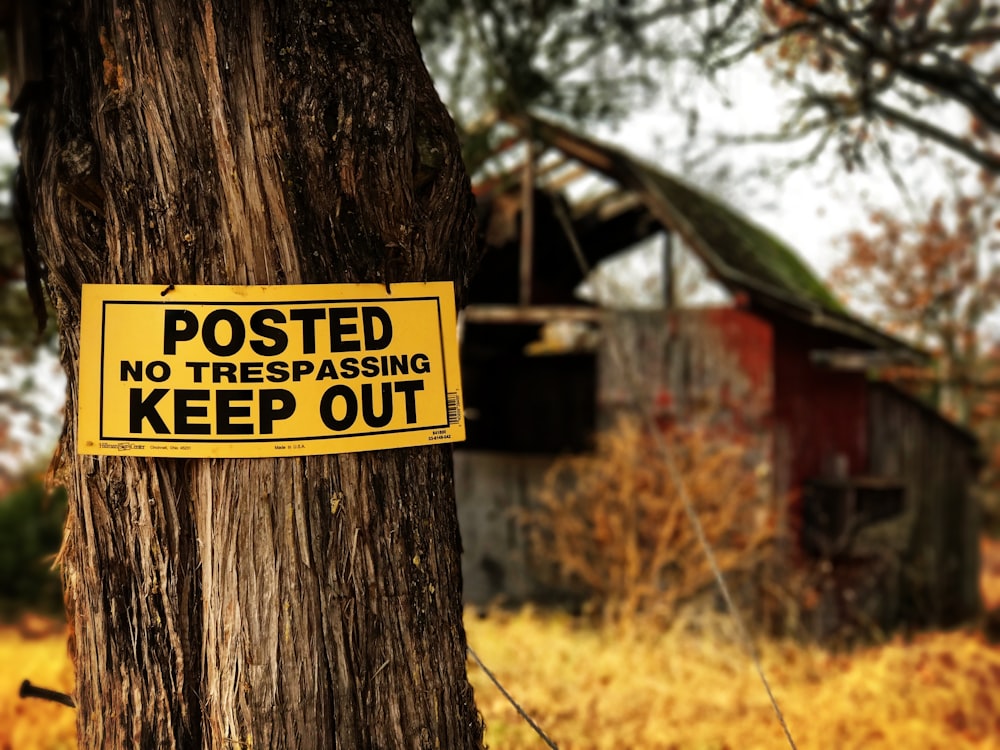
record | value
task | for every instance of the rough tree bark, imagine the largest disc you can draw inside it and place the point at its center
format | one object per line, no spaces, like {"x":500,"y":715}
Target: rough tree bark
{"x":311,"y":602}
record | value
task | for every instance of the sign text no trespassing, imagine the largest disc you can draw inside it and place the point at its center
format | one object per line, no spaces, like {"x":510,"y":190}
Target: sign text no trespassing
{"x":261,"y":371}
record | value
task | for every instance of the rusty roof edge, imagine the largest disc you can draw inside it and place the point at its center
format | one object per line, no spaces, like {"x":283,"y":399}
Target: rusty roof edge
{"x":845,"y":325}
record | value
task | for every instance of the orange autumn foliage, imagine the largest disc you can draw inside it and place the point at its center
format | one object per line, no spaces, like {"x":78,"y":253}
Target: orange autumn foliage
{"x":935,"y":281}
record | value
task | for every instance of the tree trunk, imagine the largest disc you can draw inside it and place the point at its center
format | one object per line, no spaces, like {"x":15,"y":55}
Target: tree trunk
{"x":305,"y":602}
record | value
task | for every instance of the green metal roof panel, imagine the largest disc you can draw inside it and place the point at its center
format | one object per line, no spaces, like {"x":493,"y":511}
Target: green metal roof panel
{"x":739,"y":244}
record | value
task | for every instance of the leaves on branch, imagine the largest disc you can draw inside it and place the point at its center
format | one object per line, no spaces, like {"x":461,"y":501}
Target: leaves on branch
{"x":910,"y":64}
{"x":935,"y":279}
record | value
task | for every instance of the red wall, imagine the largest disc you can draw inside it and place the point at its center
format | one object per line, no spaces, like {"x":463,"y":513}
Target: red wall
{"x":748,"y":341}
{"x":819,"y":412}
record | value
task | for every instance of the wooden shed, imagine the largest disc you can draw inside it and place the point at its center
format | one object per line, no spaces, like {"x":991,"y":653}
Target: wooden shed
{"x":879,"y":485}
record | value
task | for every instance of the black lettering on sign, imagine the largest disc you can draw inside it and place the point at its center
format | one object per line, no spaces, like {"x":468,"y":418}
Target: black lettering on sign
{"x":342,"y":398}
{"x":157,"y":371}
{"x":397,"y":365}
{"x":368,"y":406}
{"x":224,"y":333}
{"x":144,"y":409}
{"x":368,"y":317}
{"x":420,"y":364}
{"x":131,"y":371}
{"x":338,"y":329}
{"x":178,"y":325}
{"x":327,"y":370}
{"x":301,"y":368}
{"x":226,"y":409}
{"x":275,"y":404}
{"x":224,"y":371}
{"x":251,"y":372}
{"x":185,"y":411}
{"x":308,"y":316}
{"x":369,"y":367}
{"x":259,"y":325}
{"x":196,"y":368}
{"x":277,"y":372}
{"x":338,"y":424}
{"x":210,"y":334}
{"x":409,"y":390}
{"x":349,"y":367}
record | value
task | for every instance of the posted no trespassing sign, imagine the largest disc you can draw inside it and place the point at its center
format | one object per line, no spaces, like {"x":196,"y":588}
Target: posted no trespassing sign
{"x":199,"y":371}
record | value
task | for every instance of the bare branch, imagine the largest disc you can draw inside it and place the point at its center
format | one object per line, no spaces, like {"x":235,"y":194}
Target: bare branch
{"x":766,"y":40}
{"x":985,"y":159}
{"x":950,"y":77}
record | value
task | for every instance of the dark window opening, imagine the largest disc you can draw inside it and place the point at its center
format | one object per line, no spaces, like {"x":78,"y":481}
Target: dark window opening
{"x":525,"y":404}
{"x":834,"y":511}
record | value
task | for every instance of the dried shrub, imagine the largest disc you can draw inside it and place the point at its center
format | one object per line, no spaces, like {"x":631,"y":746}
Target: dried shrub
{"x":611,"y":528}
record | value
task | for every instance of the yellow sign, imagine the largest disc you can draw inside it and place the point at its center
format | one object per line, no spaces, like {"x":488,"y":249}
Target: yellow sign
{"x":199,"y":371}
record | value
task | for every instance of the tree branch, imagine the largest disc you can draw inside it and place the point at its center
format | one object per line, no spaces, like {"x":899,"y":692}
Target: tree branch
{"x":951,"y":77}
{"x":985,"y":159}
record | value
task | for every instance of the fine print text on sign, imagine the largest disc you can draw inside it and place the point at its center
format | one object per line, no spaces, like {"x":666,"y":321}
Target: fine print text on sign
{"x":199,"y":371}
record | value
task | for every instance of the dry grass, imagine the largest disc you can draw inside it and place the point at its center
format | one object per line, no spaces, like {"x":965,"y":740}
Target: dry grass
{"x":40,"y":656}
{"x":590,"y":689}
{"x":600,"y":688}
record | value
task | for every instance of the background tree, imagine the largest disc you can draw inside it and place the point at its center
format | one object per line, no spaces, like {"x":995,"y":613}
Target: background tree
{"x":864,"y":69}
{"x":582,"y":60}
{"x":307,"y":602}
{"x":935,"y":279}
{"x":22,"y":346}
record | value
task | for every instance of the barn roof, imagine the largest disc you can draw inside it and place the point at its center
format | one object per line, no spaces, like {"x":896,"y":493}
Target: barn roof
{"x":739,"y":253}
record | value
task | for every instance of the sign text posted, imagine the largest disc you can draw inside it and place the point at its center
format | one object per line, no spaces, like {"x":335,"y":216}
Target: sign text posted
{"x":198,"y":371}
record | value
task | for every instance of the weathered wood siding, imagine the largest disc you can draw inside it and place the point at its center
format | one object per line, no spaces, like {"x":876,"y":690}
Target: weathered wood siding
{"x":820,"y":413}
{"x":712,"y":364}
{"x":708,"y":363}
{"x":936,"y":463}
{"x":722,"y":367}
{"x":492,"y":488}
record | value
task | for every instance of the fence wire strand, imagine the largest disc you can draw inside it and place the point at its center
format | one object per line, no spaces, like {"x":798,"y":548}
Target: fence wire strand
{"x":642,"y":407}
{"x":510,"y":699}
{"x":706,"y":547}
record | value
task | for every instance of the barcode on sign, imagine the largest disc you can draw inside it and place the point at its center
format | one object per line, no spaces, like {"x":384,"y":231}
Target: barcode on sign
{"x":454,"y":409}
